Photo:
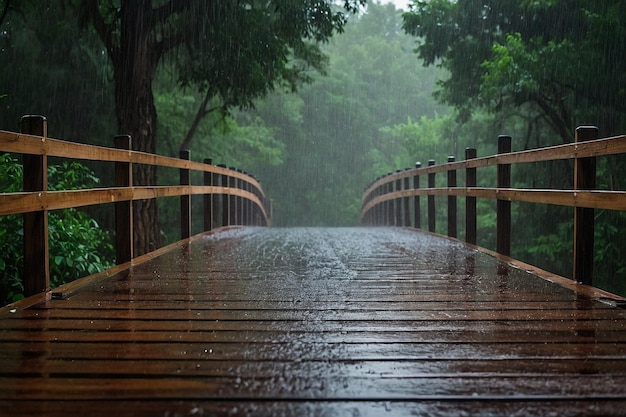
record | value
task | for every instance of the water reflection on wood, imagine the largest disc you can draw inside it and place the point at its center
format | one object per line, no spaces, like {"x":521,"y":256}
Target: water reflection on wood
{"x":316,"y":322}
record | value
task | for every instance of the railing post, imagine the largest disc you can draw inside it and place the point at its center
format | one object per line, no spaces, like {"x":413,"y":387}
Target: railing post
{"x":584,"y":179}
{"x":397,"y":220}
{"x":246,"y":204}
{"x":452,"y":226}
{"x":432,"y":222}
{"x":225,"y":199}
{"x":470,"y":202}
{"x":380,"y":208}
{"x":215,"y":200}
{"x":374,"y":216}
{"x":387,"y":205}
{"x":416,"y":200}
{"x":123,"y":209}
{"x":232,"y":205}
{"x":185,"y":200}
{"x":207,"y":200}
{"x":407,"y":209}
{"x":241,"y":204}
{"x":250,"y":204}
{"x":503,"y":207}
{"x":36,"y":246}
{"x":234,"y":200}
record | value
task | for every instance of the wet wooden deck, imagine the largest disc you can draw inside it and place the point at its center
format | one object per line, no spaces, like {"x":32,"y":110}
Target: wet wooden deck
{"x":357,"y":322}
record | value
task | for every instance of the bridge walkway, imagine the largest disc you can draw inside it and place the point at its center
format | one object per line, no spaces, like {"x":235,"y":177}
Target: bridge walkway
{"x":355,"y":321}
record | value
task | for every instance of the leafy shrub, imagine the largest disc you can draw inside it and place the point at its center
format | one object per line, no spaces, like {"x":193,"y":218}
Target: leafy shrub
{"x":77,"y":245}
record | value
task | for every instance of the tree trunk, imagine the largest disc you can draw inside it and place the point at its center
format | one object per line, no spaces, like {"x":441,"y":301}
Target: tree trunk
{"x":134,"y":68}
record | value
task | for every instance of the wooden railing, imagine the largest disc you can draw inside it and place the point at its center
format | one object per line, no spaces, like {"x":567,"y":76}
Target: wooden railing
{"x":395,"y":198}
{"x":231,"y":197}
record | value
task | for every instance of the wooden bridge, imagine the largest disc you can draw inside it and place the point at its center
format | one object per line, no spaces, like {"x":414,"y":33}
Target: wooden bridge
{"x":367,"y":321}
{"x":270,"y":321}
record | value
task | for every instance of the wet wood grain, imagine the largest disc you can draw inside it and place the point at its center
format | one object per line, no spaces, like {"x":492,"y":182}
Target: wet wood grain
{"x":316,"y":322}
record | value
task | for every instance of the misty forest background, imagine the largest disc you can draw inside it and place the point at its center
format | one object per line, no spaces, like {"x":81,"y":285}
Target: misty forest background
{"x":395,"y":90}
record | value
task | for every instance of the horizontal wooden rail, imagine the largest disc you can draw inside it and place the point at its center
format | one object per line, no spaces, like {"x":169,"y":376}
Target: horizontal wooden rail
{"x":607,"y":200}
{"x":600,"y":147}
{"x":386,"y":200}
{"x":235,"y":194}
{"x":37,"y":145}
{"x":26,"y":202}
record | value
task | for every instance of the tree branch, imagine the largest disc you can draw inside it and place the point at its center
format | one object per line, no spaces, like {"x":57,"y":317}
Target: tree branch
{"x":103,"y":29}
{"x":200,"y":114}
{"x":161,"y":14}
{"x":168,"y":43}
{"x":553,"y":118}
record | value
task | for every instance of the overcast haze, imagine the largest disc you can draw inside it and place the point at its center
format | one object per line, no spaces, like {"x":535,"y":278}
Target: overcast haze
{"x":400,"y":4}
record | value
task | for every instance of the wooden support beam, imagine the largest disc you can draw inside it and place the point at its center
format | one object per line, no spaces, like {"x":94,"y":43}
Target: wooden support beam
{"x":185,"y":200}
{"x":207,"y":200}
{"x":225,"y":199}
{"x":397,"y":218}
{"x":216,"y":208}
{"x":452,"y":224}
{"x":503,"y":207}
{"x":123,"y":209}
{"x":417,"y":222}
{"x":432,"y":221}
{"x":584,"y":223}
{"x":36,"y":246}
{"x":470,"y":202}
{"x":406,"y":206}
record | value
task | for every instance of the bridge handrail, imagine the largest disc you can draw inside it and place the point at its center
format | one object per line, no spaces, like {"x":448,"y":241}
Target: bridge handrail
{"x":600,"y":147}
{"x":387,"y":201}
{"x":242,"y":199}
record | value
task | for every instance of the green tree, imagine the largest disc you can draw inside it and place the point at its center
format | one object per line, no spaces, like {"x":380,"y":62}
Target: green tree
{"x":561,"y":60}
{"x":234,"y":50}
{"x":53,"y":69}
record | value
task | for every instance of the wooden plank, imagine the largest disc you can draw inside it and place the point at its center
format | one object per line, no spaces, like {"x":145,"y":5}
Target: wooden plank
{"x":407,"y":328}
{"x":301,"y":350}
{"x":605,"y":408}
{"x":347,"y":369}
{"x":79,"y":303}
{"x":601,"y":387}
{"x":104,"y":331}
{"x":291,"y":297}
{"x":331,"y":315}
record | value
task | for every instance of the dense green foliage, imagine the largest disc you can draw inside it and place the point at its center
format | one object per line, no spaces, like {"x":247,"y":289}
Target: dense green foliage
{"x":50,"y":73}
{"x":560,"y":61}
{"x":334,"y":130}
{"x":78,"y":246}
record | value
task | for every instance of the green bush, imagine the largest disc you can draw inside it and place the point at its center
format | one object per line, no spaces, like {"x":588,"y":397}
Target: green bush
{"x":77,"y":245}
